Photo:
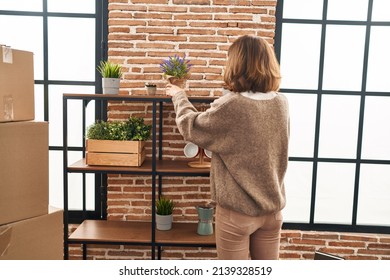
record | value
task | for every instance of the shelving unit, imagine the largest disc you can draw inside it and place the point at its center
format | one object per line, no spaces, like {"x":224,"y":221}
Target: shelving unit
{"x":126,"y":232}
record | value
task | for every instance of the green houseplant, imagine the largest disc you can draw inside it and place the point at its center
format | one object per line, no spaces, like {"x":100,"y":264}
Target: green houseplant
{"x":111,"y":74}
{"x":133,"y":129}
{"x":117,"y":143}
{"x":164,"y":210}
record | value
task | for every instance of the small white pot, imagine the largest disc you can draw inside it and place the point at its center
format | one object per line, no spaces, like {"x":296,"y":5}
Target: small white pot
{"x":164,"y":222}
{"x":151,"y":90}
{"x":110,"y":85}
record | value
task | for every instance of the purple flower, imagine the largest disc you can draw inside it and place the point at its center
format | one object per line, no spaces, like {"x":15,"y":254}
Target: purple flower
{"x":176,"y":66}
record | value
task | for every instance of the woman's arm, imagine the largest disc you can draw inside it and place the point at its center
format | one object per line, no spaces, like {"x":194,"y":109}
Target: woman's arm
{"x":205,"y":129}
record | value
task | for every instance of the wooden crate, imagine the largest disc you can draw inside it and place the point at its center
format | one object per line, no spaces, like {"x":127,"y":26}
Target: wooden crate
{"x":115,"y":153}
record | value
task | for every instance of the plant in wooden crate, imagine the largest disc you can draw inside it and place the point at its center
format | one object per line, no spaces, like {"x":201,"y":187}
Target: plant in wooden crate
{"x":176,"y":70}
{"x":111,"y":74}
{"x":117,"y":143}
{"x":164,"y":210}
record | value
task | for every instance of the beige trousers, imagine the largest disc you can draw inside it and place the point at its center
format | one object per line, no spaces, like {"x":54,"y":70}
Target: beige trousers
{"x":242,"y":237}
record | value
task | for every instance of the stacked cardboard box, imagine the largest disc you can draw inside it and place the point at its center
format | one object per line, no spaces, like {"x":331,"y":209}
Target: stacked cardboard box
{"x":16,"y":85}
{"x":28,"y":229}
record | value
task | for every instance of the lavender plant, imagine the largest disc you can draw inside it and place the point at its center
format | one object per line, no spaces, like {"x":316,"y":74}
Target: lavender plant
{"x":176,"y":67}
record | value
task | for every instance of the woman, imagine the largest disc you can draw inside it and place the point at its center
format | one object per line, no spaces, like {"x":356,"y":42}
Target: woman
{"x":247,"y":130}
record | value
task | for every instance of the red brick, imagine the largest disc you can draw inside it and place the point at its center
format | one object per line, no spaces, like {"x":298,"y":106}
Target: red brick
{"x":337,"y":251}
{"x":251,"y":10}
{"x":196,"y":31}
{"x":347,"y":244}
{"x":153,"y":16}
{"x":210,"y":9}
{"x":307,"y":241}
{"x":270,"y":3}
{"x":229,"y":2}
{"x":379,"y":246}
{"x":167,"y":23}
{"x":154,"y":30}
{"x":321,"y":235}
{"x":373,"y":252}
{"x":126,"y":7}
{"x":300,"y":248}
{"x":191,"y":2}
{"x":286,"y":256}
{"x":291,"y":234}
{"x":149,"y":1}
{"x":233,"y":17}
{"x":361,"y":258}
{"x":167,"y":8}
{"x":384,"y":239}
{"x":360,"y":237}
{"x":170,"y":38}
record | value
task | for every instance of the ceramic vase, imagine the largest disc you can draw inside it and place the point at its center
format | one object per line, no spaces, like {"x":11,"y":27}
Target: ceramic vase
{"x":110,"y":85}
{"x":164,"y":222}
{"x":151,"y":90}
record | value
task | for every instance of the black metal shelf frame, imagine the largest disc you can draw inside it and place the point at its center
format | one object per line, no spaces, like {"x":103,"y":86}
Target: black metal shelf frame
{"x":103,"y":99}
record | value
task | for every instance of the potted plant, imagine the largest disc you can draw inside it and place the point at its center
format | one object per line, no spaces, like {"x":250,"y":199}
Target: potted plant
{"x":176,"y":70}
{"x":151,"y":89}
{"x":111,"y":74}
{"x":164,"y":210}
{"x":117,"y":143}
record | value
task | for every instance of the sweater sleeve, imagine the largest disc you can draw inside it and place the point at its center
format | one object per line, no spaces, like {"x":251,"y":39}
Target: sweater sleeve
{"x":200,"y":128}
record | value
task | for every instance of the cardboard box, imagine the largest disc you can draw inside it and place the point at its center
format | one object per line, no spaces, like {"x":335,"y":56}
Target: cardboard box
{"x":16,"y":85}
{"x":39,"y":238}
{"x":24,"y":170}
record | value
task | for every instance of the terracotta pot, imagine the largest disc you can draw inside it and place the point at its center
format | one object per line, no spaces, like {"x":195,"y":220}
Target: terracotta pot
{"x":180,"y":82}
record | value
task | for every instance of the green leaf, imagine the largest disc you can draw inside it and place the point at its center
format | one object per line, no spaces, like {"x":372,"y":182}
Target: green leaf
{"x":133,"y":129}
{"x":164,"y":206}
{"x":109,"y":70}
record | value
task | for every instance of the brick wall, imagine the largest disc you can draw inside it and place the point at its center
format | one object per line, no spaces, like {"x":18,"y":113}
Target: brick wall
{"x":141,"y":34}
{"x":351,"y":246}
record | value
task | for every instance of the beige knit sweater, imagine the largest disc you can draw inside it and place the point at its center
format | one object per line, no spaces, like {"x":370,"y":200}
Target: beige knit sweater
{"x":249,"y":142}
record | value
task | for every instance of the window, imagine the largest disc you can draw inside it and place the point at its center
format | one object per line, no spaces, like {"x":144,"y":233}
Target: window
{"x":65,"y":37}
{"x":333,"y":56}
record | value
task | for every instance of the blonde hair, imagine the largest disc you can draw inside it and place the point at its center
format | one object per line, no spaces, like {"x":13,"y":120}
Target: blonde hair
{"x":251,"y":66}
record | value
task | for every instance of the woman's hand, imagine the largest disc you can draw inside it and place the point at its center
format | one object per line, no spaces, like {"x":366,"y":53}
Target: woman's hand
{"x":171,"y":90}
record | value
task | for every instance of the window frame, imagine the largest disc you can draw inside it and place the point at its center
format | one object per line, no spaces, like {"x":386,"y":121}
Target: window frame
{"x":319,"y":92}
{"x":101,"y":36}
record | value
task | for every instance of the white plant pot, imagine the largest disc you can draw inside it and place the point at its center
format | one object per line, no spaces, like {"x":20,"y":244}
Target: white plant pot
{"x":164,"y":222}
{"x":110,"y":85}
{"x":151,"y":90}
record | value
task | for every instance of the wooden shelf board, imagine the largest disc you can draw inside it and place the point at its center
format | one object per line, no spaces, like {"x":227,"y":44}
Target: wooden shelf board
{"x":112,"y":231}
{"x":81,"y":166}
{"x":179,"y":166}
{"x":162,"y":167}
{"x":183,"y":233}
{"x":138,"y":98}
{"x":103,"y":231}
